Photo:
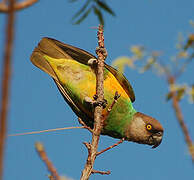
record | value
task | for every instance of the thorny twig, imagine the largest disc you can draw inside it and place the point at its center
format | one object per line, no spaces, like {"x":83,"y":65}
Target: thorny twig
{"x":98,"y":109}
{"x":110,"y":147}
{"x":101,"y":172}
{"x":4,"y":8}
{"x":41,"y":152}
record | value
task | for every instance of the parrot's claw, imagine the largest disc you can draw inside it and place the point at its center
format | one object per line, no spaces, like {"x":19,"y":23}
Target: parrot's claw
{"x":89,"y":100}
{"x":92,"y":61}
{"x":95,"y":103}
{"x":102,"y":103}
{"x":95,"y":97}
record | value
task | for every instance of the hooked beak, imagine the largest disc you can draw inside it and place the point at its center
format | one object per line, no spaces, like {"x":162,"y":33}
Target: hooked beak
{"x":156,"y":139}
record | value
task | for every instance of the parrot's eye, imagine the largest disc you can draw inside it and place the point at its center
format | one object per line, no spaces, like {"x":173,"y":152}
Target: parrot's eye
{"x":149,"y":127}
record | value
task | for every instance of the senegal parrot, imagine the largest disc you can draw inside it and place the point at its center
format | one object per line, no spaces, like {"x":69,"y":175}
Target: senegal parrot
{"x":75,"y":77}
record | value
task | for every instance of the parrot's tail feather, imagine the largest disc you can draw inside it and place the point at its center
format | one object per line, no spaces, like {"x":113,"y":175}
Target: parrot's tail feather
{"x":38,"y":60}
{"x":47,"y":47}
{"x":51,"y":48}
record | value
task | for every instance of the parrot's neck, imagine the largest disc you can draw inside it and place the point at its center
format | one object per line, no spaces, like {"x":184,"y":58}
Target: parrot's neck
{"x":119,"y":118}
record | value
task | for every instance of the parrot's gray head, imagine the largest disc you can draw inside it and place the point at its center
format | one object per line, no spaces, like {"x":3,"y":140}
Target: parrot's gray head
{"x":144,"y":129}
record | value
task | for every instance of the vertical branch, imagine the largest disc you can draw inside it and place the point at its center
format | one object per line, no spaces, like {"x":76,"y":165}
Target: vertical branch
{"x":92,"y":148}
{"x":179,"y":116}
{"x":6,"y":79}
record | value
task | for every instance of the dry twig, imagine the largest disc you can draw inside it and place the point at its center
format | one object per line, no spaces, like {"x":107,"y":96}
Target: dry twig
{"x":101,"y":172}
{"x":41,"y":152}
{"x":84,"y":125}
{"x":98,"y":109}
{"x":4,"y":8}
{"x":110,"y":147}
{"x":46,"y":130}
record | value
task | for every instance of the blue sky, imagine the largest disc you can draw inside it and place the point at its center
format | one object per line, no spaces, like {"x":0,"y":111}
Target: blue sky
{"x":36,"y":104}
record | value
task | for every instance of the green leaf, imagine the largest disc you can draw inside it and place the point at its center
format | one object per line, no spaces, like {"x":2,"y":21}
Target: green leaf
{"x":104,"y":6}
{"x":83,"y":16}
{"x":99,"y":15}
{"x":82,"y":9}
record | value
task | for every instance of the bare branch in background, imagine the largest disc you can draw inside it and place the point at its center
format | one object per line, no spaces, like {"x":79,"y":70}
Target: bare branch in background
{"x":9,"y":8}
{"x":17,"y":6}
{"x":42,"y":153}
{"x":179,"y":116}
{"x":6,"y":79}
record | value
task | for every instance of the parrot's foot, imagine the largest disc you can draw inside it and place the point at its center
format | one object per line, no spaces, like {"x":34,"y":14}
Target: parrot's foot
{"x":102,"y":103}
{"x":103,"y":51}
{"x":94,"y":102}
{"x":89,"y":100}
{"x":95,"y":97}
